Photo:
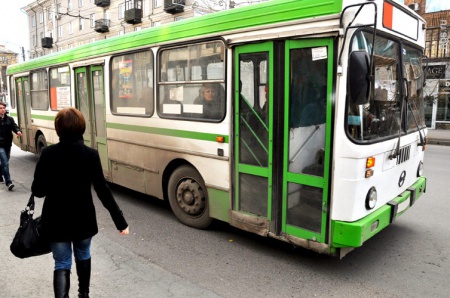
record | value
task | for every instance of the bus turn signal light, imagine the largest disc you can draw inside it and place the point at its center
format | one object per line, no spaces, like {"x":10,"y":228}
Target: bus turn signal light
{"x":220,"y":139}
{"x":370,"y":163}
{"x":369,"y":173}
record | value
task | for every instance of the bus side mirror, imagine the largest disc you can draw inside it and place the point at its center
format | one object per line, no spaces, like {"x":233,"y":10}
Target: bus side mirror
{"x":358,"y":77}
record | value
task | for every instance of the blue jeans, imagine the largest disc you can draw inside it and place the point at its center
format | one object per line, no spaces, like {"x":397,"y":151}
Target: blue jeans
{"x":62,"y":252}
{"x":4,"y":164}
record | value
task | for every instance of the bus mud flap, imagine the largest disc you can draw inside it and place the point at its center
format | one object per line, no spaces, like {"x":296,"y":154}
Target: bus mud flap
{"x":249,"y":223}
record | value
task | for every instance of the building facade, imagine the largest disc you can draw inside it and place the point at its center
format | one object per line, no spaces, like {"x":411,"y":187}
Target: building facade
{"x":437,"y":53}
{"x":57,"y":25}
{"x":7,"y":57}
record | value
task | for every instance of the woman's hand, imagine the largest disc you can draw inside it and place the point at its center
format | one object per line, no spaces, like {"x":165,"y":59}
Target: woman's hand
{"x":125,"y":232}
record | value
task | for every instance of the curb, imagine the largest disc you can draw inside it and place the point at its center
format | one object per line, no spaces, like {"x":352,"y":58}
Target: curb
{"x":438,"y":142}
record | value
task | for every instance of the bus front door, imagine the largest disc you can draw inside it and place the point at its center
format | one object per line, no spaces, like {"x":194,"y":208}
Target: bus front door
{"x":90,"y":100}
{"x":307,"y":131}
{"x":282,"y":116}
{"x":24,"y":114}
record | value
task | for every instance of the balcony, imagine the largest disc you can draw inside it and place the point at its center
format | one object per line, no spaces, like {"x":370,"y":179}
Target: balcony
{"x":133,"y":11}
{"x":47,"y":42}
{"x":102,"y":3}
{"x":102,"y":25}
{"x":174,"y":6}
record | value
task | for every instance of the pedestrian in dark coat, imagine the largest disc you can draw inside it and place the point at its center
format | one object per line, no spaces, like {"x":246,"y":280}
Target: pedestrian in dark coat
{"x":7,"y":126}
{"x":64,"y":175}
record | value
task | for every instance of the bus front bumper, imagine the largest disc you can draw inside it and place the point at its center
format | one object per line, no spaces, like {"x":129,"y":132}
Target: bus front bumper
{"x":354,"y":234}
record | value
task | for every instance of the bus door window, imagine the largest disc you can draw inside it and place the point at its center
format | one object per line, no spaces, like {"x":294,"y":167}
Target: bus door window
{"x":97,"y":90}
{"x":307,"y":130}
{"x":253,"y":109}
{"x":83,"y":102}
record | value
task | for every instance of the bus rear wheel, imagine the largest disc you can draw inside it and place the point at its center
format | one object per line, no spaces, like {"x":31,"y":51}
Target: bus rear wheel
{"x":40,"y":144}
{"x":188,"y":197}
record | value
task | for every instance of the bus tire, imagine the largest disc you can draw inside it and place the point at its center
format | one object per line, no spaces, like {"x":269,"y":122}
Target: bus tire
{"x":188,"y":197}
{"x":40,"y":144}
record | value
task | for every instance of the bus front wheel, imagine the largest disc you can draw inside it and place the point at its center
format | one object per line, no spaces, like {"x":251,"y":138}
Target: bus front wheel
{"x":188,"y":197}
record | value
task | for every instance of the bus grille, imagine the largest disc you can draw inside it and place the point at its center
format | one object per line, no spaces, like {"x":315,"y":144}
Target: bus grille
{"x":403,"y":154}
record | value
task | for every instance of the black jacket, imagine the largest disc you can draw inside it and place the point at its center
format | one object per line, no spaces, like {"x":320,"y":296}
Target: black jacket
{"x":7,"y":126}
{"x":64,"y":175}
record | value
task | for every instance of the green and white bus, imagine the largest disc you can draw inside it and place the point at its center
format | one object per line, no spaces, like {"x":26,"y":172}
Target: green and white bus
{"x":315,"y":135}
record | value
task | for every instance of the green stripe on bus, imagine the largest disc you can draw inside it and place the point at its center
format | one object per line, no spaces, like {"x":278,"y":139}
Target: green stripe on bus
{"x":43,"y":117}
{"x":169,"y":132}
{"x":261,"y":14}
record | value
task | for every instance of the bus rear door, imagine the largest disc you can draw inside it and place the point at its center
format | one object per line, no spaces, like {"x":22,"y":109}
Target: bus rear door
{"x":24,"y":114}
{"x":282,"y":129}
{"x":90,"y":100}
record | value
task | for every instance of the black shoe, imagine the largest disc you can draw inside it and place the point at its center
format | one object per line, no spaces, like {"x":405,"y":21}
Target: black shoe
{"x":10,"y":186}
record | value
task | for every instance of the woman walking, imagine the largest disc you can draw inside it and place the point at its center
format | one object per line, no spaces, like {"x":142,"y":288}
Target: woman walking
{"x":64,"y":175}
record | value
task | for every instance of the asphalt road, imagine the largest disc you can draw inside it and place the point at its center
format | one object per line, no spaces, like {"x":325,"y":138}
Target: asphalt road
{"x":163,"y":258}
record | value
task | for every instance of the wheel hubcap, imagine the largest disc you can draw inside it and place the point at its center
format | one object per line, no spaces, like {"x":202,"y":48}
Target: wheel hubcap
{"x":191,"y":197}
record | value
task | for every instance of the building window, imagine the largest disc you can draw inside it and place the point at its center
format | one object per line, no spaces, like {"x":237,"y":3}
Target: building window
{"x":121,"y":11}
{"x":69,"y":5}
{"x":70,"y":27}
{"x":157,"y":23}
{"x":80,"y":3}
{"x":92,"y":17}
{"x":436,"y":43}
{"x":158,"y":3}
{"x":50,"y":15}
{"x":81,"y":24}
{"x":34,"y":40}
{"x":60,"y":31}
{"x":41,"y":17}
{"x":137,"y":28}
{"x":33,"y":20}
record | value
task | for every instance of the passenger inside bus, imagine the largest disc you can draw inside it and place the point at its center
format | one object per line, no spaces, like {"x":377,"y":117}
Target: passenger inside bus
{"x":211,"y":97}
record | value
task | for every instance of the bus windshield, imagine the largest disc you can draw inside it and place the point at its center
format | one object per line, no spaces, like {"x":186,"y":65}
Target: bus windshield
{"x":382,"y":117}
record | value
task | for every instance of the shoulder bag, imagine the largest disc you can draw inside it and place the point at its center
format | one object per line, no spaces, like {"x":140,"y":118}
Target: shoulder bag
{"x":28,"y":242}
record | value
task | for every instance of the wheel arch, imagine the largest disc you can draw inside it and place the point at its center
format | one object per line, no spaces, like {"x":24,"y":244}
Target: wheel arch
{"x":170,"y":168}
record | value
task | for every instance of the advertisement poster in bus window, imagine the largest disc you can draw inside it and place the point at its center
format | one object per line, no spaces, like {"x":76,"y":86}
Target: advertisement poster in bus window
{"x":63,"y":97}
{"x":126,"y":79}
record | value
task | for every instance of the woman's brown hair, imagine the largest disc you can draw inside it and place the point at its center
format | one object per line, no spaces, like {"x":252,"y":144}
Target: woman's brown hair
{"x":70,"y":123}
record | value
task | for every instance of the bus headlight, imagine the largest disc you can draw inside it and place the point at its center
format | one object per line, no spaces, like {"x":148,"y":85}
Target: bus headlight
{"x":420,"y":169}
{"x":371,"y":198}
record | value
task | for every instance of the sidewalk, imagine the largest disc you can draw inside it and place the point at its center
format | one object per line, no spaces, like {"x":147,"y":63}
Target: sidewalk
{"x":439,"y":137}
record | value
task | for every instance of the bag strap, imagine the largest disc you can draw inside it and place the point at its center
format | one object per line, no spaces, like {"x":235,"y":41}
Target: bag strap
{"x":30,"y":205}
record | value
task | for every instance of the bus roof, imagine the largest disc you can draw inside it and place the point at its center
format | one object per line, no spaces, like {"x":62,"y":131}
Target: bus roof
{"x":265,"y":13}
